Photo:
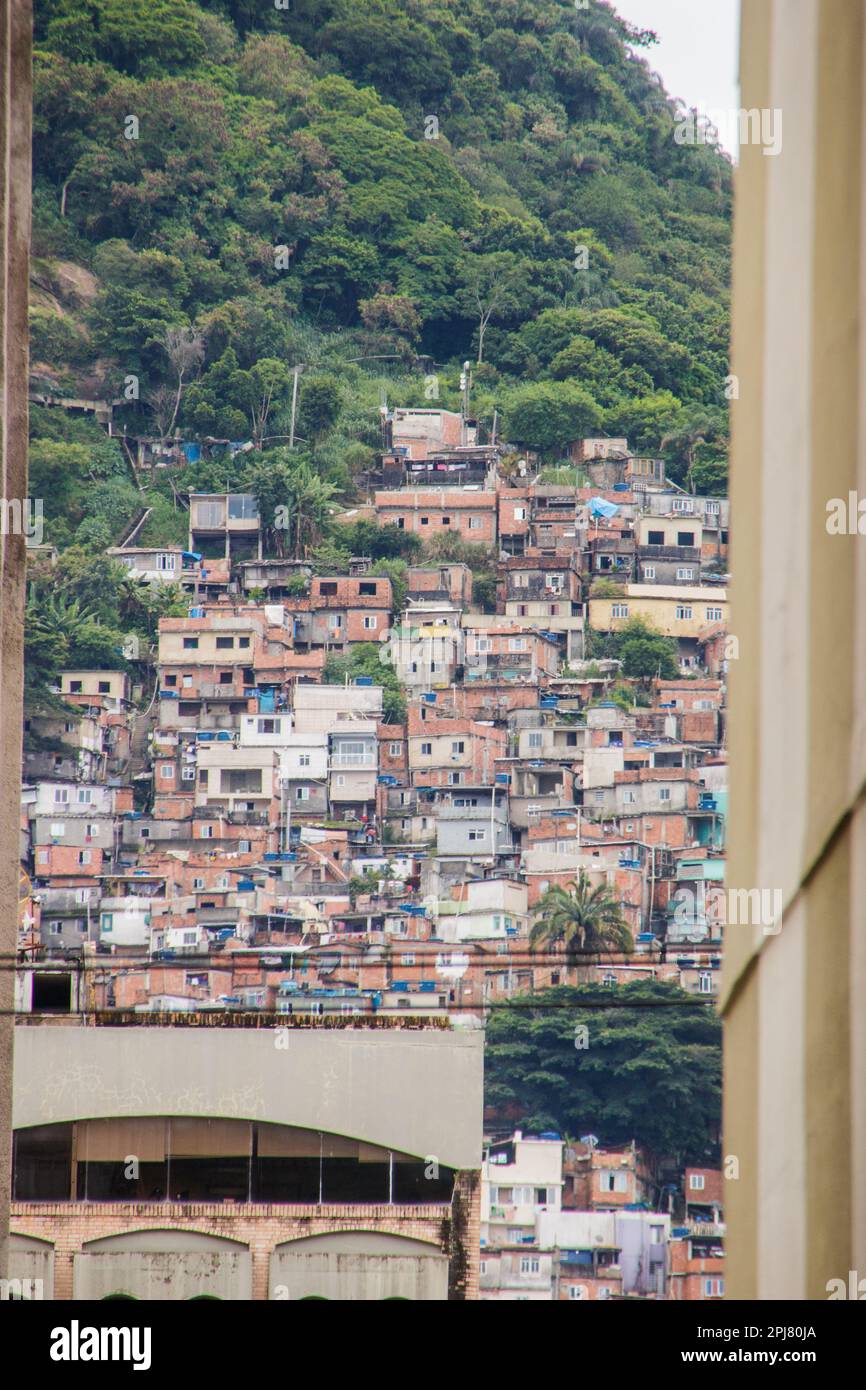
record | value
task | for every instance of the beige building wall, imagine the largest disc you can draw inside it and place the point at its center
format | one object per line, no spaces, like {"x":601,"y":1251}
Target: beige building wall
{"x":659,"y":605}
{"x":795,"y":1001}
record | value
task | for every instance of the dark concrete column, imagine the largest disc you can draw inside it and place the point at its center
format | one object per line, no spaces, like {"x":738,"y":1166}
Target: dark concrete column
{"x":15,"y":103}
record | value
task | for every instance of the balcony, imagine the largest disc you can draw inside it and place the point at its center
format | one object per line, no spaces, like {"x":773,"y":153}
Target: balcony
{"x":682,"y":554}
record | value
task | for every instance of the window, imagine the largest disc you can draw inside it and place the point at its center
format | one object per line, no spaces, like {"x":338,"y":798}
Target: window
{"x":58,"y":828}
{"x":475,"y":835}
{"x":682,"y":504}
{"x":302,"y":793}
{"x":705,"y":983}
{"x":104,"y":687}
{"x":171,"y":680}
{"x":75,"y":687}
{"x":224,"y":644}
{"x":629,"y":797}
{"x":394,"y":750}
{"x":530,"y":1264}
{"x":84,"y":856}
{"x":339,"y":780}
{"x":190,"y":644}
{"x":684,"y":573}
{"x":520,"y":581}
{"x":454,"y":779}
{"x":475,"y":523}
{"x":483,"y":644}
{"x":458,"y":746}
{"x":85,"y":796}
{"x":425,"y":520}
{"x":517,"y":644}
{"x":712,"y":508}
{"x":426,"y":750}
{"x":619,"y":610}
{"x":655,"y":538}
{"x":187,"y":774}
{"x":446,"y":521}
{"x":242,"y":507}
{"x":714,"y":1288}
{"x":697,"y":1182}
{"x":401,"y":523}
{"x":197,"y":883}
{"x":206,"y":832}
{"x":664,"y":793}
{"x":614,"y":1182}
{"x":225,"y":678}
{"x":714,"y":615}
{"x":685,"y":537}
{"x":268,"y":726}
{"x":243,"y":641}
{"x":61,"y":796}
{"x":519,"y":513}
{"x":371,"y":622}
{"x":335,"y":621}
{"x":657,"y":1235}
{"x":304,"y":760}
{"x":577,"y":1293}
{"x":166,"y":770}
{"x":210,"y":514}
{"x":683,"y":612}
{"x":407,"y":959}
{"x":535,"y":740}
{"x":354,"y":753}
{"x":106,"y":921}
{"x":368,"y":587}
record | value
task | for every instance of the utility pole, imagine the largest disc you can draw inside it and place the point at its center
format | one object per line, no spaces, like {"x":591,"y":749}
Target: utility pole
{"x":465,"y":379}
{"x":16,"y":23}
{"x":296,"y":372}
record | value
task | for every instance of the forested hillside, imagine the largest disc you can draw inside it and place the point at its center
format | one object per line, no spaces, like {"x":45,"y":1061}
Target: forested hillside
{"x":376,"y":190}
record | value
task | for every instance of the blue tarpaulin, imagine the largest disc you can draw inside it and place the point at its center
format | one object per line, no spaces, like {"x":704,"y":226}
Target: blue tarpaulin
{"x":599,"y":507}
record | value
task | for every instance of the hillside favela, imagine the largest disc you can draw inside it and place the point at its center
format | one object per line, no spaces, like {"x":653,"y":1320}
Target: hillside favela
{"x":372,"y":836}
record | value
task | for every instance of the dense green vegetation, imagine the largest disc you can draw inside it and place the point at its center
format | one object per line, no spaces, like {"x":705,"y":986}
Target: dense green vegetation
{"x":643,"y":1062}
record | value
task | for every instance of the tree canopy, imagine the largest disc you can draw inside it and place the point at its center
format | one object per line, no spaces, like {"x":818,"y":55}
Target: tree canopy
{"x":642,"y":1061}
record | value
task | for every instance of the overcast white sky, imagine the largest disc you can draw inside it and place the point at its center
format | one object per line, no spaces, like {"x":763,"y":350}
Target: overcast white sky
{"x":697,"y":50}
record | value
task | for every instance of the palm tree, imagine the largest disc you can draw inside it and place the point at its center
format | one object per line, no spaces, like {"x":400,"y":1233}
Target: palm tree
{"x":582,"y":919}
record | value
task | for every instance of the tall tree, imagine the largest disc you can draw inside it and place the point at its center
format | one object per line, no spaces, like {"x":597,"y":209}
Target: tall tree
{"x":585,"y":921}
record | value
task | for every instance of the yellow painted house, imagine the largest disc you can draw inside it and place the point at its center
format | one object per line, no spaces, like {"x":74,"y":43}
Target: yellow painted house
{"x":676,"y":610}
